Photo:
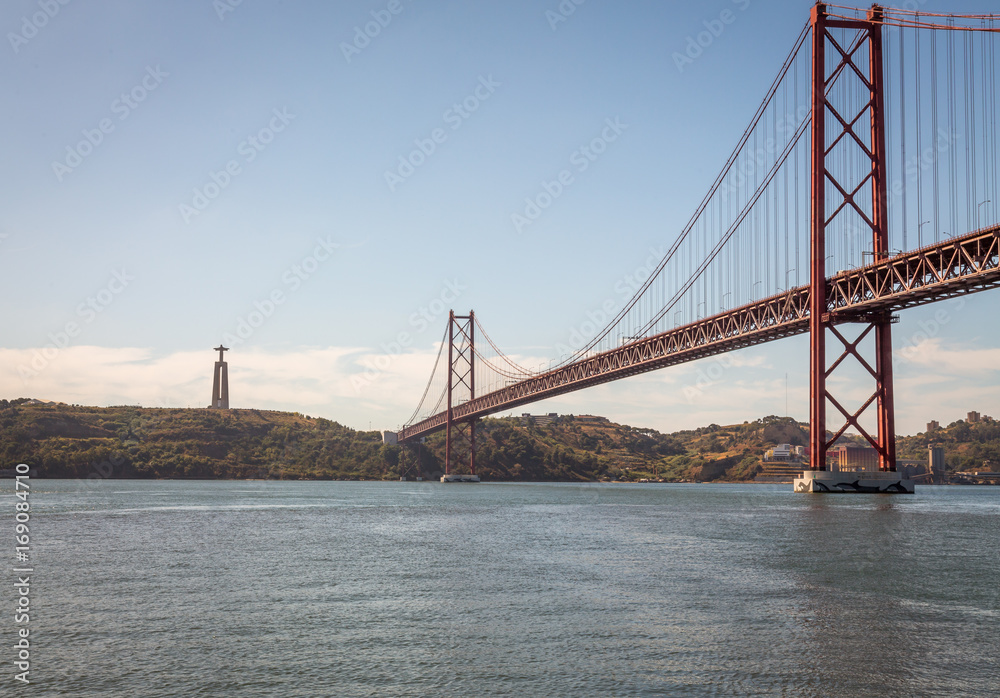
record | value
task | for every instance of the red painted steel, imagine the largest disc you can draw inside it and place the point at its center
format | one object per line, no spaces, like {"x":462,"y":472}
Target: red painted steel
{"x":948,"y":269}
{"x":880,"y":244}
{"x":460,"y":434}
{"x":472,"y":390}
{"x":843,"y":130}
{"x":817,"y":247}
{"x":867,"y":295}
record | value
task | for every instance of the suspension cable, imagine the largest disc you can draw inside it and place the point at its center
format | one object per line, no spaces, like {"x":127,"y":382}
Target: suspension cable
{"x":437,"y":362}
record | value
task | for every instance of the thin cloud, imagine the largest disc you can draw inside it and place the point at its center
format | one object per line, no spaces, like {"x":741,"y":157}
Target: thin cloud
{"x":358,"y":385}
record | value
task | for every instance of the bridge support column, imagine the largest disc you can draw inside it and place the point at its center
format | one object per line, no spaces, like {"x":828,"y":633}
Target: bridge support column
{"x":460,"y":435}
{"x":817,"y":249}
{"x":835,"y":135}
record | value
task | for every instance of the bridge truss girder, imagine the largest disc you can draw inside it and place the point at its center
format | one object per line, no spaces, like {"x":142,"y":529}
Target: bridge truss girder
{"x":953,"y":268}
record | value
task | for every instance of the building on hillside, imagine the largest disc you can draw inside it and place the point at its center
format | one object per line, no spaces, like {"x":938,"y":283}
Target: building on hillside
{"x":781,"y":452}
{"x":390,"y":437}
{"x":933,"y":425}
{"x":973,"y":418}
{"x":587,"y":418}
{"x":784,"y":452}
{"x":539,"y":419}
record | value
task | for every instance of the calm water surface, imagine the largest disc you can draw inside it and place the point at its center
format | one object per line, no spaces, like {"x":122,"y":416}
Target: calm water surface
{"x":176,"y":588}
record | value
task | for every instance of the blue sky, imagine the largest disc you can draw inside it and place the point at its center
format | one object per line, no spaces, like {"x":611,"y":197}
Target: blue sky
{"x":177,"y":172}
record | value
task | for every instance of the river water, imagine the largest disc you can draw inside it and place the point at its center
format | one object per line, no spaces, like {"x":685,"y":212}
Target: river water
{"x":177,"y":588}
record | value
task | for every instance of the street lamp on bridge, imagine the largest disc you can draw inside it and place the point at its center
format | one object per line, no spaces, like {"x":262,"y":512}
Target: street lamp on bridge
{"x":920,"y":237}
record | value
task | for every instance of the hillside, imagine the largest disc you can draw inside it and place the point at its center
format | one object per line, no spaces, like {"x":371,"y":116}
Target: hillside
{"x":967,"y":446}
{"x":588,"y":448}
{"x":74,"y":441}
{"x":136,"y":442}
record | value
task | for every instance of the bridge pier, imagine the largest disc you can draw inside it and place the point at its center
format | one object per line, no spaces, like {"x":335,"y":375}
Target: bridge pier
{"x":460,"y":451}
{"x":873,"y":482}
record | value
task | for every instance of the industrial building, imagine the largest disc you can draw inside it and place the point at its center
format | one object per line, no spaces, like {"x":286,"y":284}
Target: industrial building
{"x":853,"y":459}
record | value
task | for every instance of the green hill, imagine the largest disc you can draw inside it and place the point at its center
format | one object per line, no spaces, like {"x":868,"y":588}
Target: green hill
{"x":136,"y":442}
{"x":73,"y":441}
{"x":585,"y":447}
{"x":966,"y":446}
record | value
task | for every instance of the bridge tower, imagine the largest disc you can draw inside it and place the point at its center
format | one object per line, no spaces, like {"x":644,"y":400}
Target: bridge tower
{"x":460,"y":436}
{"x":839,"y":127}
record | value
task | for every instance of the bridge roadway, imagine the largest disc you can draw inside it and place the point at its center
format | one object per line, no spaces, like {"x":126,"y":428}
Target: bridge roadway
{"x":954,"y":267}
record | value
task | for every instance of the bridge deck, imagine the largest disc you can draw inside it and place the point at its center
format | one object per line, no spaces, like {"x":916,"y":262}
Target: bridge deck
{"x":936,"y":272}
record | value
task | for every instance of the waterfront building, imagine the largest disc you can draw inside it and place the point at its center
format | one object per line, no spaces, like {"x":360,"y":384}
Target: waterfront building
{"x":935,"y":460}
{"x":854,"y":459}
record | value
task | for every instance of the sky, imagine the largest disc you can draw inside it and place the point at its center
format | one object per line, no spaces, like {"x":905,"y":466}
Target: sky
{"x":306,"y":181}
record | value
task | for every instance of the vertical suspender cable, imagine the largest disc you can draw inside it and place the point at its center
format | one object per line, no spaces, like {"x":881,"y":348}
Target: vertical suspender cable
{"x":952,"y":134}
{"x":988,"y":163}
{"x":804,"y":227}
{"x":970,"y":130}
{"x":935,"y":136}
{"x":784,"y":209}
{"x":902,"y":128}
{"x":920,"y":148}
{"x":993,"y":112}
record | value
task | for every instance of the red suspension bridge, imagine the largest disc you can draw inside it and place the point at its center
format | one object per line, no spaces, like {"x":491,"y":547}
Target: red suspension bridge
{"x":874,"y":154}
